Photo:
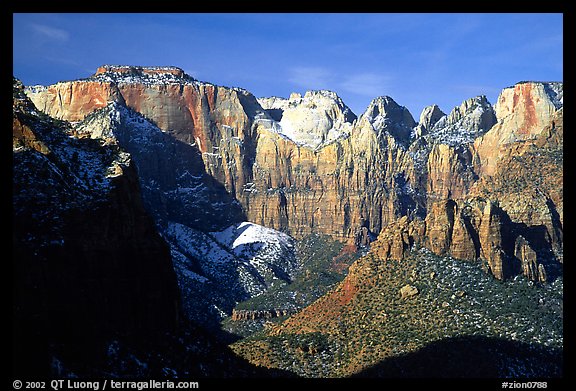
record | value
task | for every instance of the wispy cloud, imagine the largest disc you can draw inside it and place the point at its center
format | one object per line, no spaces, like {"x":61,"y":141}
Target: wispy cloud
{"x":311,"y":78}
{"x":367,"y":84}
{"x":51,"y":33}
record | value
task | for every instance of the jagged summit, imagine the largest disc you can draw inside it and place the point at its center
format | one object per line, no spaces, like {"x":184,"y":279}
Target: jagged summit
{"x":430,"y":115}
{"x":311,"y":98}
{"x":388,"y":108}
{"x":314,"y":120}
{"x":465,"y":123}
{"x":259,"y":148}
{"x":154,"y":168}
{"x":428,"y":118}
{"x":387,"y":116}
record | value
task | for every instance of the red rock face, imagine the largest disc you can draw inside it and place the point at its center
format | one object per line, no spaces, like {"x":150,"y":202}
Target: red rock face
{"x":490,"y":235}
{"x":450,"y":231}
{"x":398,"y":238}
{"x":73,"y":101}
{"x":336,"y":181}
{"x":203,"y":115}
{"x":522,"y":112}
{"x":462,"y":244}
{"x":357,"y":182}
{"x":530,"y":118}
{"x":448,"y":174}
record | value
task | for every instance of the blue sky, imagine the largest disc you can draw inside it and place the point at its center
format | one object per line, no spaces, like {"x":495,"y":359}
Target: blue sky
{"x":417,"y":59}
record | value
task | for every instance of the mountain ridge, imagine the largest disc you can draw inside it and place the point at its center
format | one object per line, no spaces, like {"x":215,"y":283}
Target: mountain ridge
{"x":479,"y":188}
{"x":383,"y":167}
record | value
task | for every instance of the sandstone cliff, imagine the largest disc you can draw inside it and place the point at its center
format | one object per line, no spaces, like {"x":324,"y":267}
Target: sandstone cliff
{"x":528,"y":186}
{"x":307,"y":164}
{"x":217,"y":121}
{"x":522,"y":112}
{"x":363,"y":180}
{"x":480,"y":184}
{"x":359,"y":174}
{"x":506,"y":185}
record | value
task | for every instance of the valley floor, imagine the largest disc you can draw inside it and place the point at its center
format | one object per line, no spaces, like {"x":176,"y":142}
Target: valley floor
{"x":457,"y":322}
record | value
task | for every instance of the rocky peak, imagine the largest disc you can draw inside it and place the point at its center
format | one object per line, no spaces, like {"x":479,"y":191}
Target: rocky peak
{"x":465,"y":123}
{"x":314,"y":120}
{"x":522,"y":110}
{"x":430,"y":115}
{"x":290,"y":162}
{"x":387,"y":116}
{"x":428,"y":118}
{"x":527,"y":104}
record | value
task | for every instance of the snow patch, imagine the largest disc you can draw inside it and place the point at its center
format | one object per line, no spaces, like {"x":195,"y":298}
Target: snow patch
{"x":234,"y":264}
{"x":314,"y":121}
{"x":246,"y":233}
{"x":555,"y":91}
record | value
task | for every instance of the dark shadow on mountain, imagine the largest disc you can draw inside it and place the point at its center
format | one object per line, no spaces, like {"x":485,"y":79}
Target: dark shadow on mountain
{"x":539,"y":238}
{"x":189,"y":352}
{"x":94,"y":291}
{"x":472,"y":357}
{"x":275,"y":114}
{"x":175,"y":184}
{"x":176,"y":188}
{"x":248,"y":248}
{"x":408,"y":203}
{"x":279,"y":273}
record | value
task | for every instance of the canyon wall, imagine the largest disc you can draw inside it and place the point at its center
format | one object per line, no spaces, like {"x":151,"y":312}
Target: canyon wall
{"x":307,"y":164}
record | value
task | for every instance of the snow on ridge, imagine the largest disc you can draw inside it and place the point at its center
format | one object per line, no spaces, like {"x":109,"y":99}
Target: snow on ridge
{"x":35,"y":88}
{"x":146,"y":79}
{"x":193,"y":243}
{"x":315,"y":120}
{"x":111,"y":67}
{"x":555,"y":91}
{"x":247,"y":233}
{"x":306,"y":138}
{"x":465,"y":123}
{"x":239,"y":243}
{"x":236,"y":263}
